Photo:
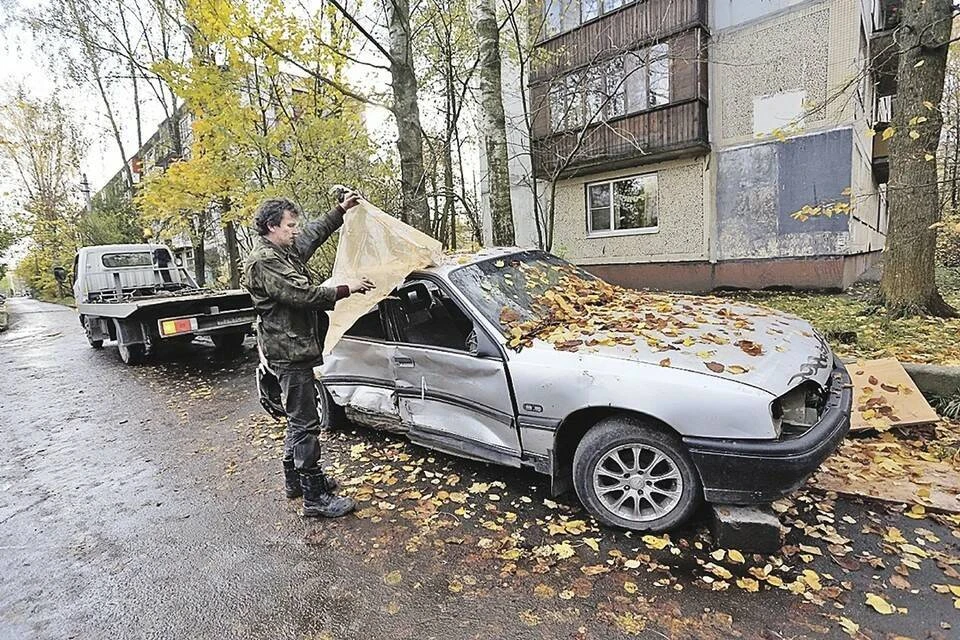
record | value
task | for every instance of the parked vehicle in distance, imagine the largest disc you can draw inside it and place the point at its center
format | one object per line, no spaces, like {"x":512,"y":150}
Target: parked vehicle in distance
{"x":136,"y":295}
{"x":645,"y":403}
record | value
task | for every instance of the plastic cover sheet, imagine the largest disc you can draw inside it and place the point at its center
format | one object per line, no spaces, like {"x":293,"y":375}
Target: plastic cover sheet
{"x":375,"y":245}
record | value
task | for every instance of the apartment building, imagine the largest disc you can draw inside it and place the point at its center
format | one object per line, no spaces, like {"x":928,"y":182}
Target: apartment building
{"x":682,"y":138}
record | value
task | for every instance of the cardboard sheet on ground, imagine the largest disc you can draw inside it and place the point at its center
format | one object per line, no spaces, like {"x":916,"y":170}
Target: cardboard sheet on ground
{"x":884,"y":396}
{"x":932,"y":485}
{"x":375,"y":245}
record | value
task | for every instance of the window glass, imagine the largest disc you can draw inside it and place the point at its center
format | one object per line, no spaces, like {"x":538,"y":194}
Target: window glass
{"x":659,"y":75}
{"x":569,"y":14}
{"x":430,"y":317}
{"x":369,"y":325}
{"x":129,"y":259}
{"x":551,"y":14}
{"x":635,"y":84}
{"x":589,"y":9}
{"x":615,"y":88}
{"x":623,"y":204}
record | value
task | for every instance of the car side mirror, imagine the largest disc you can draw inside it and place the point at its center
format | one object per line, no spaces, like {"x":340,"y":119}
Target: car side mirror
{"x":60,"y":274}
{"x":485,"y":348}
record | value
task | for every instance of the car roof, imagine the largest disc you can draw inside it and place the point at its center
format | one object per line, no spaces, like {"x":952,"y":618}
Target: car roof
{"x":452,"y":261}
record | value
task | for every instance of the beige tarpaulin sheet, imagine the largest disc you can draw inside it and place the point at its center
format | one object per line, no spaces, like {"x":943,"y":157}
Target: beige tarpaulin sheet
{"x":377,"y":246}
{"x":884,"y":396}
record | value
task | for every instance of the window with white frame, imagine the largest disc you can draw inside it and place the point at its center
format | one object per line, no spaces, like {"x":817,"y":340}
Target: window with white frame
{"x":622,"y":205}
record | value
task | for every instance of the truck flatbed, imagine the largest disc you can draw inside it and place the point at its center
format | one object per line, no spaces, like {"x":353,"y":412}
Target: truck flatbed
{"x":127,"y":308}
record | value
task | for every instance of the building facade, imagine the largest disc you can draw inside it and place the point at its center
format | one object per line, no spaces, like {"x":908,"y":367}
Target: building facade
{"x":695,"y":144}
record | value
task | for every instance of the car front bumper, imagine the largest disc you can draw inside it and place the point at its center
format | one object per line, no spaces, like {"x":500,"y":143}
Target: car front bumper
{"x":759,"y":471}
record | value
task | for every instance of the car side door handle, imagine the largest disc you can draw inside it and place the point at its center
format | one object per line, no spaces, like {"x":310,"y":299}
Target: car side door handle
{"x":403,"y":361}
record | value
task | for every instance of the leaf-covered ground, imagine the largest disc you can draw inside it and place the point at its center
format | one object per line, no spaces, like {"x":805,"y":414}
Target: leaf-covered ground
{"x":471,"y":533}
{"x":856,"y":330}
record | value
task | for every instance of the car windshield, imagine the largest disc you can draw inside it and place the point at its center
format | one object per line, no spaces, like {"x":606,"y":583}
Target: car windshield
{"x":514,"y":288}
{"x":533,"y":295}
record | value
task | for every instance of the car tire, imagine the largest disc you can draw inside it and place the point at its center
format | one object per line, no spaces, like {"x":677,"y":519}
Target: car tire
{"x":659,"y":492}
{"x":131,"y":353}
{"x":332,"y":415}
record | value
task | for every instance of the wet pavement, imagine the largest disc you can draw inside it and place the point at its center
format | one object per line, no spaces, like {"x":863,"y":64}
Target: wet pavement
{"x":146,"y":502}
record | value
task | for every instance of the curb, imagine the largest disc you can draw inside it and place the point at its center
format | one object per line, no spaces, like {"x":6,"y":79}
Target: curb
{"x":934,"y":379}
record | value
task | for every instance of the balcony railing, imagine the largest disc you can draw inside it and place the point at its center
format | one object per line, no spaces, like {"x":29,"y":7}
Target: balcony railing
{"x":671,"y":131}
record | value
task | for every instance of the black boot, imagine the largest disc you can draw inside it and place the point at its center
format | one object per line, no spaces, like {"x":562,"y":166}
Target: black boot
{"x":291,"y":479}
{"x":318,"y":499}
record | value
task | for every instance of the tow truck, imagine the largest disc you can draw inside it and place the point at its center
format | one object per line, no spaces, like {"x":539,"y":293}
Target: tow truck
{"x":136,"y":295}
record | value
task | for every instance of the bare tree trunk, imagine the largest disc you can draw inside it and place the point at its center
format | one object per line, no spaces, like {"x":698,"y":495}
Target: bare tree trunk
{"x":406,"y":109}
{"x":198,"y":234}
{"x":449,"y":212}
{"x":94,"y":66}
{"x":909,"y":279}
{"x":494,"y":125}
{"x":233,"y":254}
{"x":133,"y":75}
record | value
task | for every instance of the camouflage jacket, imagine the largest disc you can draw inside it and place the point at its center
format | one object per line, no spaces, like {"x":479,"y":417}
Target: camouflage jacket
{"x":291,"y":319}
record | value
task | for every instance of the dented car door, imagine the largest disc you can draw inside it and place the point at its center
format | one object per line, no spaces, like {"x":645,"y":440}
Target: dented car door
{"x":359,"y":373}
{"x":451,"y":398}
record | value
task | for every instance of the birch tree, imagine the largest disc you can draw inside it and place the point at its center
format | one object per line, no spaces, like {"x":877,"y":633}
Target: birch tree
{"x":494,"y":125}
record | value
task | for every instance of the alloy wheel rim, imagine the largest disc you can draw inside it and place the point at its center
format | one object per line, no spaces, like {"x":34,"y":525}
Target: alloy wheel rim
{"x":637,"y":482}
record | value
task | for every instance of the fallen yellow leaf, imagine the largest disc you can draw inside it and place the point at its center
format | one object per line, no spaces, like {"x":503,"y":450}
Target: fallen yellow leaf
{"x":656,"y":542}
{"x":849,"y":626}
{"x":812,"y":579}
{"x":748,"y":584}
{"x":879,"y":604}
{"x":393,"y":578}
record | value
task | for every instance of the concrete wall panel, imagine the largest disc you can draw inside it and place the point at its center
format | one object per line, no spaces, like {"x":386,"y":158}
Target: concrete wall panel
{"x":731,"y":13}
{"x":759,"y":187}
{"x":680,"y":211}
{"x":813,"y":169}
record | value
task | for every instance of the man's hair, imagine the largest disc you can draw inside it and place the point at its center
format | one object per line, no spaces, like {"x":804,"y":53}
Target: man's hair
{"x":270,"y":212}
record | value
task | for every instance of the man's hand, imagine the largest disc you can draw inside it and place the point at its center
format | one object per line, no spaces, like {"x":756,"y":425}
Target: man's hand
{"x":360,"y":285}
{"x":350,"y":200}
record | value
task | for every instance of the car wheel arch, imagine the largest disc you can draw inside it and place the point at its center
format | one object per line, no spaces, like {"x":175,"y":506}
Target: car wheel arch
{"x":571,"y":431}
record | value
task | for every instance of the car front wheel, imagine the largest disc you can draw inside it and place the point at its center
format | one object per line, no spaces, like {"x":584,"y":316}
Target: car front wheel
{"x":629,"y":473}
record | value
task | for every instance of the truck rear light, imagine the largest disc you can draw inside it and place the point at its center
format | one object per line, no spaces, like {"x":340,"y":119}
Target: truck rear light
{"x":177,"y":326}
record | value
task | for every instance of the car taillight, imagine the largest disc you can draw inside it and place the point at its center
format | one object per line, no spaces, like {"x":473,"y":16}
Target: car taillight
{"x":178,"y":326}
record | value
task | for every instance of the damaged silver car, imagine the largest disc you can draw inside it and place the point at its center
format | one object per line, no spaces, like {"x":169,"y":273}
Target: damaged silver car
{"x":645,"y":403}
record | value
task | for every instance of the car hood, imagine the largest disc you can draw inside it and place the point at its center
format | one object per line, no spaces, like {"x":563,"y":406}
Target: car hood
{"x":749,"y":344}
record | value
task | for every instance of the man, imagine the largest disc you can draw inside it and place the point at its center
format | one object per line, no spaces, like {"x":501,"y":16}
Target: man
{"x":291,"y":328}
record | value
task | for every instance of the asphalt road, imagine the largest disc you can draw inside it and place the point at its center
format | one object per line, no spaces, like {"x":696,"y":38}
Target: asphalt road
{"x":146,"y":502}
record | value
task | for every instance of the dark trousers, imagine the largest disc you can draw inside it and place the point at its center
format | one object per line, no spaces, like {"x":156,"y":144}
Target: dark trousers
{"x":299,"y":395}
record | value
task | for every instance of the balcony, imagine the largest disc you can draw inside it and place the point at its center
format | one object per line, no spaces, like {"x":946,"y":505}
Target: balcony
{"x":671,"y":131}
{"x":623,"y":29}
{"x":884,"y":60}
{"x":881,"y":154}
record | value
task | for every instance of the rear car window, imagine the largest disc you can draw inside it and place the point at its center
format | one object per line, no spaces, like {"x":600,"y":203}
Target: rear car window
{"x":129,"y":259}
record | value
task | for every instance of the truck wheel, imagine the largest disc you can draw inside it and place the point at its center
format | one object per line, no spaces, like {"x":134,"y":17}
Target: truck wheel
{"x":332,"y":415}
{"x":131,"y":353}
{"x":228,"y":342}
{"x":85,"y":323}
{"x":630,"y":474}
